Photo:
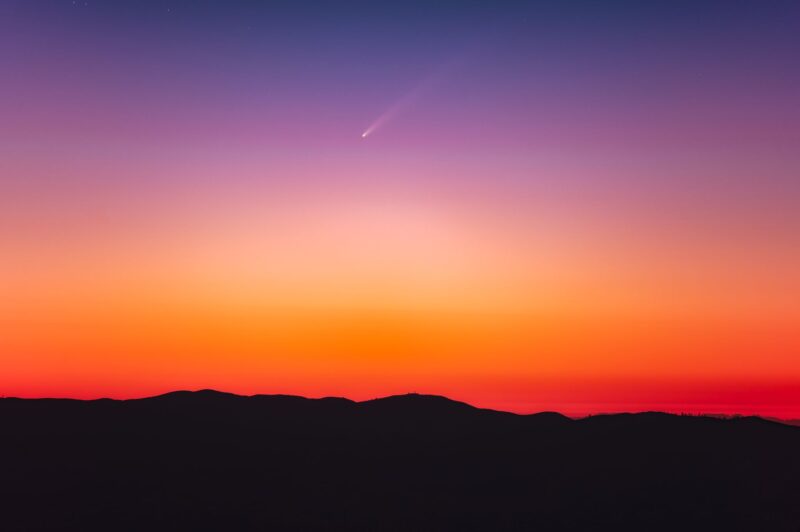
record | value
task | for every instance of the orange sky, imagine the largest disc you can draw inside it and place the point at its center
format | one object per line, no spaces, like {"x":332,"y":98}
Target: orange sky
{"x":377,"y":294}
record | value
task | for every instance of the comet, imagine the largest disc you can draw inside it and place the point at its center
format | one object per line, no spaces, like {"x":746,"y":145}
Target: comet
{"x":400,"y":105}
{"x":407,"y":100}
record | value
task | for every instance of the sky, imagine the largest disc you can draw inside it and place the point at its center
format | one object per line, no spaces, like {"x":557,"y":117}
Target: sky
{"x":575,"y":206}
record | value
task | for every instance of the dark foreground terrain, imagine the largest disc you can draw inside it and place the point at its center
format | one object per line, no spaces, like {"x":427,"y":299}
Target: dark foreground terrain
{"x":213,"y":461}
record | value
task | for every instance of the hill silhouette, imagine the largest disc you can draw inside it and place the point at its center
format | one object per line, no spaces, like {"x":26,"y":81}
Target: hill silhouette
{"x":209,"y":460}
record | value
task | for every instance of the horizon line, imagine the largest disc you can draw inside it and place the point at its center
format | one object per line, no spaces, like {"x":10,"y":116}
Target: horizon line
{"x":709,"y":414}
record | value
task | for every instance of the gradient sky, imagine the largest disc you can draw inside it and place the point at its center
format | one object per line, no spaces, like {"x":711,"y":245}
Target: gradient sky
{"x":574,"y":206}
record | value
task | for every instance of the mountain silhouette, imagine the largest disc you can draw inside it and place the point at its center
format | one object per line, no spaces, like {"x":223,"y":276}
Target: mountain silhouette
{"x":210,"y":460}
